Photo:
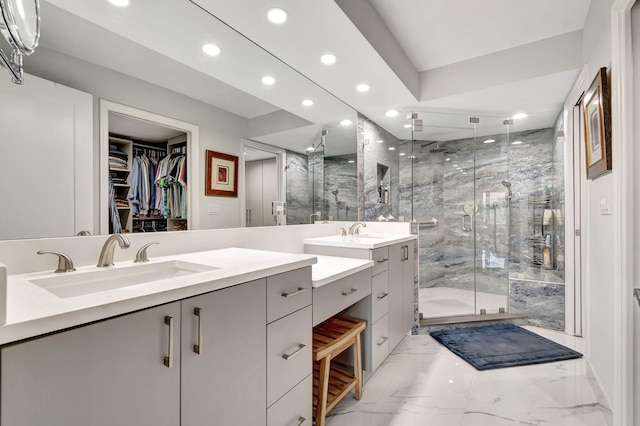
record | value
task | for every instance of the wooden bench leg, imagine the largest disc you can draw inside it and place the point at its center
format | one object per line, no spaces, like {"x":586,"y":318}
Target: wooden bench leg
{"x":323,"y":391}
{"x":357,"y":367}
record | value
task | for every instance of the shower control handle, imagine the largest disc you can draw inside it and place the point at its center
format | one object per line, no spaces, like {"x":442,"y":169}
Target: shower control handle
{"x":464,"y":223}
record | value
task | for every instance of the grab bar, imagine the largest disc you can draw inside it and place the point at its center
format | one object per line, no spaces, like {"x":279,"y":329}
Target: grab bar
{"x":432,"y":222}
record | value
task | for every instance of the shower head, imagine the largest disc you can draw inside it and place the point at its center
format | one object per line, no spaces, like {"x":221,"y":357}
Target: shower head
{"x":335,"y":194}
{"x":507,"y":184}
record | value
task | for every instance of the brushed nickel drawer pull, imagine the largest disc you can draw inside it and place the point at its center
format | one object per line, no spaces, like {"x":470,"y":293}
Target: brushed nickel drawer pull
{"x":299,"y":348}
{"x":198,"y":347}
{"x":382,"y":342}
{"x":293,"y":293}
{"x":301,"y":420}
{"x":168,"y":360}
{"x":348,"y":292}
{"x":385,"y":294}
{"x":382,"y":260}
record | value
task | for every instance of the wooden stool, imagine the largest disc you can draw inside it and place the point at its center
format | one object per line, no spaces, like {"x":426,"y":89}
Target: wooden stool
{"x":331,"y":384}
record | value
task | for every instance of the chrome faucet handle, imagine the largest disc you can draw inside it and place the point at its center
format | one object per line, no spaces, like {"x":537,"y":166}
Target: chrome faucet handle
{"x":65,"y":264}
{"x":141,"y":255}
{"x":343,"y":232}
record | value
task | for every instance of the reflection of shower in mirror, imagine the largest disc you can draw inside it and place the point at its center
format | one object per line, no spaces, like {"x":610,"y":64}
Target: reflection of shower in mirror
{"x":340,"y":205}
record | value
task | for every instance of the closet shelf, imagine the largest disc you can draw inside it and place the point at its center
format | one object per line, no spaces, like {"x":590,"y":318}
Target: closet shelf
{"x":117,"y":169}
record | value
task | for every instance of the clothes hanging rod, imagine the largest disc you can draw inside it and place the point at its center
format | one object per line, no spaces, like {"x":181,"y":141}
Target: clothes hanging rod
{"x":140,"y":145}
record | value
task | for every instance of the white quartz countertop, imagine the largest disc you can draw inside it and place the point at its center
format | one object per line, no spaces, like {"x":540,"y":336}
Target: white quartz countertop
{"x":33,"y":310}
{"x":363,"y":241}
{"x":330,"y":269}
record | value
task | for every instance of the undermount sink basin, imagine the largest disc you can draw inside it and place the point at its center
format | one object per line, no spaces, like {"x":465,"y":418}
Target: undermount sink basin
{"x":82,"y":283}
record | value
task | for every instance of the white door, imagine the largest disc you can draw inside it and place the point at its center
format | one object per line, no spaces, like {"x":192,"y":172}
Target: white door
{"x":269,"y":190}
{"x":254,"y":193}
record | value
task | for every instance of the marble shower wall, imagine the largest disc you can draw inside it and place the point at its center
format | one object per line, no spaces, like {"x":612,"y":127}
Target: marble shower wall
{"x":298,"y":189}
{"x":341,"y":174}
{"x":467,"y":180}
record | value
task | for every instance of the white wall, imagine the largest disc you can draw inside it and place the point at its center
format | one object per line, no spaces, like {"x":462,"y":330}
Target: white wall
{"x":219,"y":130}
{"x":597,"y":229}
{"x":635,"y":27}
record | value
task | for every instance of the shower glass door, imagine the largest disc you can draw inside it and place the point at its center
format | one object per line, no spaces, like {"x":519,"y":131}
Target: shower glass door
{"x":457,"y":167}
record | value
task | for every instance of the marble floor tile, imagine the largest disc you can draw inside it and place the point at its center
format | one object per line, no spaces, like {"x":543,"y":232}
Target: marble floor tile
{"x":423,"y":383}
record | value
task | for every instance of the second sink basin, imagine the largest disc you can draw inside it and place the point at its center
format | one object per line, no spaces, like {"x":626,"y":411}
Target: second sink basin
{"x":82,"y":283}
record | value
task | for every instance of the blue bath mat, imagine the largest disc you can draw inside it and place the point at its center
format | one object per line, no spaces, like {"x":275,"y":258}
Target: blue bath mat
{"x":502,"y":346}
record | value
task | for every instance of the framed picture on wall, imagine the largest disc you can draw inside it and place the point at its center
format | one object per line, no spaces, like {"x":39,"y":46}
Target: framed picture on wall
{"x":222,"y":174}
{"x":596,"y":109}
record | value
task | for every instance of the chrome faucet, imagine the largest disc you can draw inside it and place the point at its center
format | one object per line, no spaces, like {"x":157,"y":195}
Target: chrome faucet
{"x":106,"y":255}
{"x":311,"y":221}
{"x":355,"y":228}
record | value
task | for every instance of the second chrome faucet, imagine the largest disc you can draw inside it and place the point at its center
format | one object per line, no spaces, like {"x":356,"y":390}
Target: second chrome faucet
{"x":106,"y":255}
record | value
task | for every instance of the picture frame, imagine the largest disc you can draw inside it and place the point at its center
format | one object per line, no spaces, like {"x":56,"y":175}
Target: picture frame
{"x":596,"y":110}
{"x":222,"y":175}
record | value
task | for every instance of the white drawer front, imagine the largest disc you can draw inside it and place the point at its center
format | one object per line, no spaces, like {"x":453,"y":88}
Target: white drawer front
{"x":379,"y":296}
{"x":335,"y":297}
{"x":379,"y":342}
{"x":381,"y":258}
{"x":288,"y":293}
{"x":295,"y":408}
{"x":289,"y":353}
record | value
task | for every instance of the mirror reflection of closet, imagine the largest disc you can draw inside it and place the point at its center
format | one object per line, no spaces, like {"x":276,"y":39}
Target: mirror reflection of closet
{"x":261,"y":187}
{"x":147,"y":174}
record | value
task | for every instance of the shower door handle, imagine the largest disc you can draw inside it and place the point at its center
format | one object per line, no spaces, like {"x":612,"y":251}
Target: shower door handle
{"x":464,"y":223}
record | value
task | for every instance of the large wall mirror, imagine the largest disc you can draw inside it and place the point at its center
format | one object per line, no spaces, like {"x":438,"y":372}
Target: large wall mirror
{"x":90,"y":52}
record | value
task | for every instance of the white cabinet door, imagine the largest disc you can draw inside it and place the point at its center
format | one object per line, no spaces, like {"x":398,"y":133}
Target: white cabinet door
{"x":104,"y":374}
{"x":269,"y":190}
{"x":408,"y":287}
{"x":396,"y":311}
{"x":225,"y":383}
{"x":253,"y":189}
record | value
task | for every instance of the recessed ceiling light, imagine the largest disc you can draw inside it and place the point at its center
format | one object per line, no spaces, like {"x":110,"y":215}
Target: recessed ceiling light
{"x":211,"y":49}
{"x":277,"y":15}
{"x":406,"y":126}
{"x":379,"y":141}
{"x":346,"y":122}
{"x":307,"y":102}
{"x":447,"y":159}
{"x":516,"y":143}
{"x":519,"y":115}
{"x":310,"y":149}
{"x":402,"y":154}
{"x":363,"y":87}
{"x":391,"y":113}
{"x":412,"y":156}
{"x":120,"y":3}
{"x":391,"y":148}
{"x":328,"y":59}
{"x":267,"y":80}
{"x":351,"y":161}
{"x":455,"y":165}
{"x":490,"y":141}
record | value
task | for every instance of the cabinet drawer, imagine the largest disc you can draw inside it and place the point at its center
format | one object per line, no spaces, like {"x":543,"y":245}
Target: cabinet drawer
{"x":289,"y":346}
{"x":288,"y":293}
{"x":335,"y":297}
{"x":295,"y":408}
{"x":379,"y":296}
{"x":379,"y":341}
{"x":381,"y":258}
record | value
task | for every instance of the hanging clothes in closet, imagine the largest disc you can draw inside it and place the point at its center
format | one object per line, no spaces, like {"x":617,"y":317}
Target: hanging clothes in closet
{"x":171,"y":177}
{"x":142,"y":180}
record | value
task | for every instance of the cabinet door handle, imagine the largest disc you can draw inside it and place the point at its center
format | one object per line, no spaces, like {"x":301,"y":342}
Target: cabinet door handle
{"x":385,"y":294}
{"x":293,"y":293}
{"x":382,"y":341}
{"x":168,"y":360}
{"x":198,"y":347}
{"x":381,"y":260}
{"x":301,"y":420}
{"x":298,"y":349}
{"x":348,"y":292}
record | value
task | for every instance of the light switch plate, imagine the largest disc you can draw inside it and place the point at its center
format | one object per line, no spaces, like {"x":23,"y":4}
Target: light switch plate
{"x":605,"y":203}
{"x":213,"y":209}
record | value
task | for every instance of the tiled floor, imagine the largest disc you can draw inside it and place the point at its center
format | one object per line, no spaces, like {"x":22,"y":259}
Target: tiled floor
{"x":423,"y":383}
{"x":444,"y":301}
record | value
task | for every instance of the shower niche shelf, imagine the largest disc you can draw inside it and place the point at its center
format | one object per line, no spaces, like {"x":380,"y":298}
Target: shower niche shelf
{"x":545,"y":244}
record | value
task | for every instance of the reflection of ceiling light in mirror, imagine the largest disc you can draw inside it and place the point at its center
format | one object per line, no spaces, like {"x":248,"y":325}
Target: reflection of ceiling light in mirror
{"x":351,"y":161}
{"x":328,"y":59}
{"x":364,"y":87}
{"x":455,"y":165}
{"x":402,"y":153}
{"x":379,"y":141}
{"x":406,"y":126}
{"x":391,"y":113}
{"x":490,"y":141}
{"x":519,"y":115}
{"x":516,"y":143}
{"x":346,"y":122}
{"x":211,"y":49}
{"x":391,"y":148}
{"x":277,"y":15}
{"x":307,"y":102}
{"x":120,"y":3}
{"x":267,"y":80}
{"x":310,"y":148}
{"x":447,"y":159}
{"x":412,"y":156}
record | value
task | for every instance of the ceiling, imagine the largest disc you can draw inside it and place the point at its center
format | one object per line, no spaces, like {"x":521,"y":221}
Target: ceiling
{"x":493,"y":58}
